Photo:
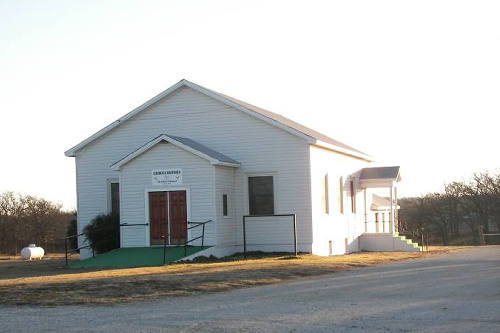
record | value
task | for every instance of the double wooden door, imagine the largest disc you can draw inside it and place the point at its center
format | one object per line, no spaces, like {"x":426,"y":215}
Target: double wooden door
{"x":168,"y":217}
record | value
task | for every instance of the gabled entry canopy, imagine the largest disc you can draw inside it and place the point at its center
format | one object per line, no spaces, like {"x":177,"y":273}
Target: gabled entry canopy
{"x":380,"y":176}
{"x":189,"y":145}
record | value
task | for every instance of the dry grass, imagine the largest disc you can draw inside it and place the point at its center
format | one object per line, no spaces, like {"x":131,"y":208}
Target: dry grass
{"x":48,"y":282}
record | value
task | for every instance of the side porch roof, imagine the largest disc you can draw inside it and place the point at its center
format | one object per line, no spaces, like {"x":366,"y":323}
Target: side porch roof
{"x":189,"y":145}
{"x":380,"y":176}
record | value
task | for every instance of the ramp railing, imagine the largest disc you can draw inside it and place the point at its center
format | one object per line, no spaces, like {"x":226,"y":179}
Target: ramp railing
{"x":202,"y":236}
{"x":68,"y":252}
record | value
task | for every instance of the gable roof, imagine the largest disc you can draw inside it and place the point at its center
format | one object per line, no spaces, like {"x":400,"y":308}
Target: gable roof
{"x":272,"y":118}
{"x":293,"y":124}
{"x":386,"y":173}
{"x":189,"y":145}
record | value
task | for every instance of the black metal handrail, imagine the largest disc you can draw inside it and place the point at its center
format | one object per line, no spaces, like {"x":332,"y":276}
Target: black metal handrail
{"x":202,"y":236}
{"x":69,"y":252}
{"x":294,"y":221}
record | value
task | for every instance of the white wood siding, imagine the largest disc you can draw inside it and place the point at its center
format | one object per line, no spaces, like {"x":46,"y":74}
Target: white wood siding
{"x":226,"y":225}
{"x":135,"y":181}
{"x":335,"y":227}
{"x":260,"y":147}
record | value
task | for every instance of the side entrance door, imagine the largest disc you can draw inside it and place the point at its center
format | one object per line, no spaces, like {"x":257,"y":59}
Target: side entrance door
{"x":168,"y":217}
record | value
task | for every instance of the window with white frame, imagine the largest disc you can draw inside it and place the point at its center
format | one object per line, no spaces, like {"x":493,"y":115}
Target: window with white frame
{"x":261,"y":195}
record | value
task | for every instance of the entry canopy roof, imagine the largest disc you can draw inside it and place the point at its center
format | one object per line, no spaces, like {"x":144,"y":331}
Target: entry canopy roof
{"x":380,"y":176}
{"x":189,"y":145}
{"x":388,"y":173}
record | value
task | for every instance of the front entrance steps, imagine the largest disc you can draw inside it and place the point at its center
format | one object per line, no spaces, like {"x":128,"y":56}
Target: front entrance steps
{"x":387,"y":242}
{"x":137,"y":257}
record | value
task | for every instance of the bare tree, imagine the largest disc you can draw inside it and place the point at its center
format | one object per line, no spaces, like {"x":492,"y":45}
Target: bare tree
{"x":474,"y":203}
{"x":26,"y":219}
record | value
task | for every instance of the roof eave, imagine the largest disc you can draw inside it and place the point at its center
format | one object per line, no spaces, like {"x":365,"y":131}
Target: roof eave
{"x":72,"y":151}
{"x":228,"y":164}
{"x":342,"y":150}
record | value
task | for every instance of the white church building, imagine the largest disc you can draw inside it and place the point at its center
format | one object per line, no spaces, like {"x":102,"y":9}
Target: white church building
{"x":191,"y":154}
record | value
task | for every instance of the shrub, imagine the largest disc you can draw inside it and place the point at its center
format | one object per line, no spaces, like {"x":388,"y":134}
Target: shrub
{"x":103,"y":233}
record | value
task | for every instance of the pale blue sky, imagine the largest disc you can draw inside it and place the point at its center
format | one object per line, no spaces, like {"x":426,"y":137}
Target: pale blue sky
{"x":413,"y":83}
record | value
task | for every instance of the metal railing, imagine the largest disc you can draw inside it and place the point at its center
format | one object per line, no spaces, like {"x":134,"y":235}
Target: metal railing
{"x":294,"y":220}
{"x":202,"y":236}
{"x":68,"y":252}
{"x":86,"y":245}
{"x":483,"y":240}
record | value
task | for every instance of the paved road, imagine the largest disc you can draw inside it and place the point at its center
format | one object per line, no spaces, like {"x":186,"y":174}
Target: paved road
{"x":456,"y":292}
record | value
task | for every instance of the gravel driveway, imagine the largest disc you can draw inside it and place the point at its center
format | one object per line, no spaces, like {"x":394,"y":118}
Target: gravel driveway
{"x":455,"y":292}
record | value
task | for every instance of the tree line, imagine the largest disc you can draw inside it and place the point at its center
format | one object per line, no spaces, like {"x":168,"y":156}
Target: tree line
{"x":25,"y":219}
{"x":460,"y":214}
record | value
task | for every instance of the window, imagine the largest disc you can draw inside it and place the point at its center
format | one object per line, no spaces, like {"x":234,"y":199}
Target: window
{"x":353,"y":198}
{"x":324,"y":195}
{"x":115,"y":198}
{"x":224,"y":204}
{"x":261,"y":195}
{"x":341,"y":195}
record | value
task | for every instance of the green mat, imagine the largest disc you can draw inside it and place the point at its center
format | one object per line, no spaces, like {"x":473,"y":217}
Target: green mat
{"x":136,"y":257}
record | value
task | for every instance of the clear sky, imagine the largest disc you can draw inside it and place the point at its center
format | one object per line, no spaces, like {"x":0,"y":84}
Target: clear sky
{"x":412,"y":83}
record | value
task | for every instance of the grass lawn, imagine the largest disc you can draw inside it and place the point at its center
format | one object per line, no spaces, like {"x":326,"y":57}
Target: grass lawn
{"x":49,"y":282}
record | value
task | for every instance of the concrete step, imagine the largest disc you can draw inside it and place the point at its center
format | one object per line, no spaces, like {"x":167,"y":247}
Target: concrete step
{"x":388,"y":242}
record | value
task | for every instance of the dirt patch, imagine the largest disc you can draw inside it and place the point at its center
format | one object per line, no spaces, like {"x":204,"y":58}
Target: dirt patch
{"x":48,"y":282}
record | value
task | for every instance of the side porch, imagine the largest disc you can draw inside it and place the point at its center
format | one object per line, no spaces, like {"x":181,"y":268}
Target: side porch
{"x":381,"y":211}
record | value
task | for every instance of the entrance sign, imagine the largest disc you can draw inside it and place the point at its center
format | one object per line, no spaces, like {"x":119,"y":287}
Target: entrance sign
{"x":166,"y":177}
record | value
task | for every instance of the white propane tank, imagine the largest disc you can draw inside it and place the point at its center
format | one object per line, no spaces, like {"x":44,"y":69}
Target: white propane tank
{"x":32,"y":252}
